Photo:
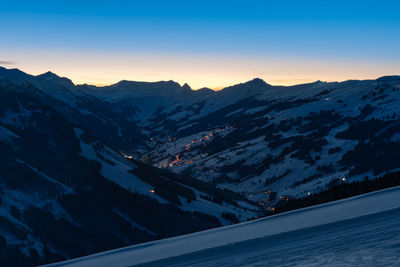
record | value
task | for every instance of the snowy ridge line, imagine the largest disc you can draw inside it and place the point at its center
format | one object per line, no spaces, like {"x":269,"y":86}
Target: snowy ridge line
{"x":345,"y":209}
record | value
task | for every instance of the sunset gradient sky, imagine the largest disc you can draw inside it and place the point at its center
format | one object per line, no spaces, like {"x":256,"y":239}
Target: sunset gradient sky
{"x":203,"y":43}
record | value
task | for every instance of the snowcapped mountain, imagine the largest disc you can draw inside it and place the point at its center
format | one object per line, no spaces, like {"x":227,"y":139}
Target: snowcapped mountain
{"x":140,"y":100}
{"x":332,"y":234}
{"x":54,"y":78}
{"x":66,"y":190}
{"x":154,"y":160}
{"x":288,"y":141}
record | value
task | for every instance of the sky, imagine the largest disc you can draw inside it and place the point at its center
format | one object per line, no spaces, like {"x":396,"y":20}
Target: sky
{"x":203,"y":43}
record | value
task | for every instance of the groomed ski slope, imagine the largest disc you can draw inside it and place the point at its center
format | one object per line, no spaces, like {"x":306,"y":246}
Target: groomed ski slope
{"x":368,"y":204}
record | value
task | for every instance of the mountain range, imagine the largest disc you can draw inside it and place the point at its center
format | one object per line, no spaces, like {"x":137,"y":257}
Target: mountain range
{"x":85,"y":169}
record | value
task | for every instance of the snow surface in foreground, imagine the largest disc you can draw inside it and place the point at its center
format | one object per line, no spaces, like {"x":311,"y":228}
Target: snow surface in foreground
{"x":368,"y":204}
{"x":371,"y":240}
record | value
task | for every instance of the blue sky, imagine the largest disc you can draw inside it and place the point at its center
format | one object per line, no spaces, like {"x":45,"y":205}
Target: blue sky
{"x":204,"y":43}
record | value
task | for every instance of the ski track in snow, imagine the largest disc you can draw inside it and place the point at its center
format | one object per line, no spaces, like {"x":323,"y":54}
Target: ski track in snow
{"x":323,"y":246}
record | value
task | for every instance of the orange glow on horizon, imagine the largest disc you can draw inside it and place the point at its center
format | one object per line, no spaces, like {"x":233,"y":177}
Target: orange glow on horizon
{"x":199,"y":71}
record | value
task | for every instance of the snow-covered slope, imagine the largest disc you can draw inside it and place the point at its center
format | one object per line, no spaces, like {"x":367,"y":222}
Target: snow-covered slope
{"x":61,"y":95}
{"x":376,"y":203}
{"x":129,"y":175}
{"x":139,"y":101}
{"x":290,"y":140}
{"x":63,"y":175}
{"x":136,"y":147}
{"x":251,"y":138}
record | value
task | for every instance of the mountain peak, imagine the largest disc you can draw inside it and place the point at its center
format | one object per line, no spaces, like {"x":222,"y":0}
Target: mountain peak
{"x":389,"y":78}
{"x":48,"y":75}
{"x":126,"y":84}
{"x":186,"y":87}
{"x":257,"y":81}
{"x":12,"y":70}
{"x":252,"y":86}
{"x":51,"y":76}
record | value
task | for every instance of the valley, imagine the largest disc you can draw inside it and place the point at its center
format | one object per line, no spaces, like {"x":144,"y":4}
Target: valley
{"x":156,"y":160}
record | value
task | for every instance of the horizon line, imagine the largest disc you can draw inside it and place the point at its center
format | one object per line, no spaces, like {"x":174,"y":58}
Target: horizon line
{"x":214,"y":88}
